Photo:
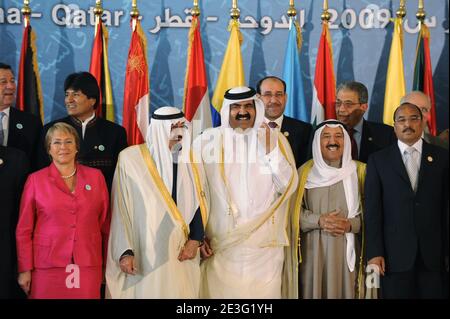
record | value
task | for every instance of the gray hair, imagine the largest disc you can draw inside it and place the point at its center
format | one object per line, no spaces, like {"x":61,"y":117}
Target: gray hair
{"x":359,"y":88}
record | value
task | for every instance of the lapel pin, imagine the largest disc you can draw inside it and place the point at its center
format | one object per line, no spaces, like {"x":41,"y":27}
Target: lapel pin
{"x":286,"y":134}
{"x":88,"y":187}
{"x":1,"y":161}
{"x":19,"y":126}
{"x":95,"y":147}
{"x":370,"y":139}
{"x":430,"y":159}
{"x":101,"y":148}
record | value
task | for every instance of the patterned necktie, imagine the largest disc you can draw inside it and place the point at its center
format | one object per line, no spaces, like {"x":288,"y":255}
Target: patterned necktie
{"x":411,"y":166}
{"x":351,"y":132}
{"x":2,"y":135}
{"x":273,"y":124}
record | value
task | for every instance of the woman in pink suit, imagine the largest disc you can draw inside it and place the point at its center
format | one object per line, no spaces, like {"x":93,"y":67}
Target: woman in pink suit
{"x":63,"y":225}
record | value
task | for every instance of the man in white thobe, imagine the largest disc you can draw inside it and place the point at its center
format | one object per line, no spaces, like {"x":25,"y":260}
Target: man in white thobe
{"x":157,"y":223}
{"x":251,"y":175}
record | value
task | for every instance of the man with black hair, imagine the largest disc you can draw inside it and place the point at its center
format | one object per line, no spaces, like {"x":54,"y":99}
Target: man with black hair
{"x":406,"y":211}
{"x":272,"y":91}
{"x":101,"y":140}
{"x":18,"y":129}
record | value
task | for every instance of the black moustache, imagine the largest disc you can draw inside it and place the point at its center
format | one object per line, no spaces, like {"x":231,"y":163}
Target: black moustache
{"x":409,"y":129}
{"x":244,"y":116}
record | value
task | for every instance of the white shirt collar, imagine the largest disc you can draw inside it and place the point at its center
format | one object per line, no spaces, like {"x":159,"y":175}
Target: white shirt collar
{"x":85,"y":122}
{"x":6,"y":111}
{"x":418,"y":146}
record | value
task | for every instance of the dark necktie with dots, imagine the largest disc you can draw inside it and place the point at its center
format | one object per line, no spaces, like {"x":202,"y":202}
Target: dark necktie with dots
{"x":351,"y":132}
{"x":273,"y":124}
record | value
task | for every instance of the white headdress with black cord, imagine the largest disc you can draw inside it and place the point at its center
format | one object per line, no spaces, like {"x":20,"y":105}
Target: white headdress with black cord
{"x":158,"y":144}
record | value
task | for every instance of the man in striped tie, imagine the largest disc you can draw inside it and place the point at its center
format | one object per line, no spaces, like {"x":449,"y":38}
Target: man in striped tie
{"x":406,"y":211}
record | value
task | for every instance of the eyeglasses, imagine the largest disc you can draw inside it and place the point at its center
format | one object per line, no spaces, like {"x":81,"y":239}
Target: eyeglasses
{"x":269,"y":95}
{"x":412,"y":119}
{"x":346,"y":104}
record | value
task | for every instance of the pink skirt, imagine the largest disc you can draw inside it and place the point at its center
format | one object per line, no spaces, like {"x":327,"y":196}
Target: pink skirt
{"x":76,"y":283}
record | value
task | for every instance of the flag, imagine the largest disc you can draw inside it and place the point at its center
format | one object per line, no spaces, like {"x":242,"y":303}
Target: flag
{"x":423,"y":73}
{"x":292,"y":74}
{"x":196,"y":106}
{"x":136,"y":100}
{"x":324,"y":91}
{"x":232,"y":70}
{"x":395,"y":78}
{"x":100,"y":70}
{"x":29,"y":91}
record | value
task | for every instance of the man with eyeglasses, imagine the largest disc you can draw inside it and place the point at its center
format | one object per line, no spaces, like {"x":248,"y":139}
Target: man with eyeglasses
{"x":366,"y":136}
{"x":406,"y":211}
{"x":423,"y":102}
{"x":272,"y":91}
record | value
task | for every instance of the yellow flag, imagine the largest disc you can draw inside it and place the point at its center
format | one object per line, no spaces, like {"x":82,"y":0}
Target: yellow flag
{"x":232,"y":71}
{"x":395,"y":78}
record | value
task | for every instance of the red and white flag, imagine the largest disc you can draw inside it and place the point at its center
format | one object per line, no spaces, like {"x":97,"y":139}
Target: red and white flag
{"x":324,"y":92}
{"x":196,"y":106}
{"x":136,"y":101}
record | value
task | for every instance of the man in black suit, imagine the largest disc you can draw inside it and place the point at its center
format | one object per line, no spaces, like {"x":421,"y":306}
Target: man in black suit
{"x":424,"y":103}
{"x":272,"y":91}
{"x":14,"y":168}
{"x":406,"y":211}
{"x":367,"y":137}
{"x":101,"y":140}
{"x":19,"y":129}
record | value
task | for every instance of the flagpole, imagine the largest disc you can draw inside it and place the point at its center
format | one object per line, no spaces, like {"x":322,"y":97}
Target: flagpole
{"x":421,"y":14}
{"x":98,"y":11}
{"x":26,"y":12}
{"x":292,"y":12}
{"x":134,"y":13}
{"x":401,"y":12}
{"x":195,"y":11}
{"x":235,"y":13}
{"x":325,"y":16}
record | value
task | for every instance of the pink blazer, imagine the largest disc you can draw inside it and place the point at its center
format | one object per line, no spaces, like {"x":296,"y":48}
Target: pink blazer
{"x":55,"y":225}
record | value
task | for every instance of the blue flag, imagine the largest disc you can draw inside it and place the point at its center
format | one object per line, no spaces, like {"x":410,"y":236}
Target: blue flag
{"x":292,"y":74}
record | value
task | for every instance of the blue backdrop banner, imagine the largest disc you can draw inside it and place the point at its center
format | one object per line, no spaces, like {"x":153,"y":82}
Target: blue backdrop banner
{"x":361,"y":34}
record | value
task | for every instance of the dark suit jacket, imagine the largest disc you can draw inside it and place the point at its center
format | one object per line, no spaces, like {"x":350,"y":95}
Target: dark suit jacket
{"x":100,"y":148}
{"x":24,"y":131}
{"x":298,"y":134}
{"x":375,"y":136}
{"x":14,"y":168}
{"x":398,"y":222}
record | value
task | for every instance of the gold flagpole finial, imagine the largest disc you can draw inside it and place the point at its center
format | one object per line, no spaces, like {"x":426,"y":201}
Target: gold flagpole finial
{"x":26,"y":10}
{"x":401,"y":12}
{"x":292,"y":12}
{"x":235,"y":13}
{"x":325,"y":16}
{"x":134,"y":10}
{"x":195,"y":11}
{"x":98,"y":10}
{"x":421,"y":14}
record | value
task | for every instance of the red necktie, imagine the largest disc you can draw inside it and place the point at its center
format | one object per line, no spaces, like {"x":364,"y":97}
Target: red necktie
{"x":351,"y":132}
